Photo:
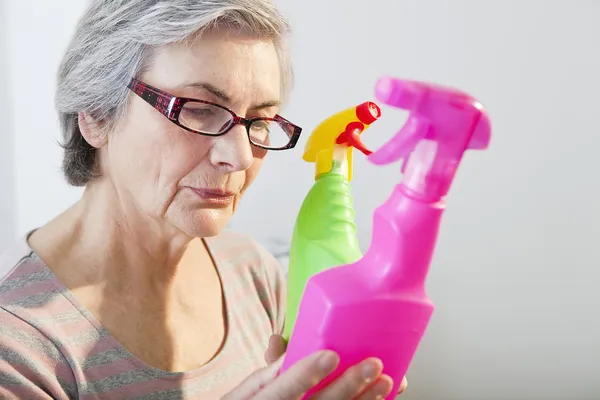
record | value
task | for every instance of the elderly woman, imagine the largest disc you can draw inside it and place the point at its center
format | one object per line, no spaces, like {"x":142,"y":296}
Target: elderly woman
{"x":168,"y":108}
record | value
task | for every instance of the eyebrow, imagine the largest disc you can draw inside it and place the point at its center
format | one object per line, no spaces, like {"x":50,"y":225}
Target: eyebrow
{"x":224,"y":97}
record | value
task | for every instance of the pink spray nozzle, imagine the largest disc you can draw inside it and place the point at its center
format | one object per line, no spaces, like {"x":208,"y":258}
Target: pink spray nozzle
{"x":443,"y":123}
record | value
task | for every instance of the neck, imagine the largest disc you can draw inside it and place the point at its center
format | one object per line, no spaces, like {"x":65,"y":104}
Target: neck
{"x":104,"y":241}
{"x":404,"y":236}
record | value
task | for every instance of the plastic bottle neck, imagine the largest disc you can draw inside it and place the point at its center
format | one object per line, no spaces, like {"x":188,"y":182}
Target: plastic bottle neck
{"x":421,"y":180}
{"x":339,"y":163}
{"x":404,"y":235}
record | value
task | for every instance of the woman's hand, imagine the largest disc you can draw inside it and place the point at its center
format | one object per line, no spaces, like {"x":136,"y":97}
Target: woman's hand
{"x":362,"y":381}
{"x":277,"y":347}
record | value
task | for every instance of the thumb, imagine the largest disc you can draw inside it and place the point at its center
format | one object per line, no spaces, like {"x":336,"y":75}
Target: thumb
{"x":277,"y":347}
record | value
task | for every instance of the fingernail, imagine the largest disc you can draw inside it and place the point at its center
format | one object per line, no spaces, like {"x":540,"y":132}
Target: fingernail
{"x":369,"y":370}
{"x":382,"y":387}
{"x":328,"y":361}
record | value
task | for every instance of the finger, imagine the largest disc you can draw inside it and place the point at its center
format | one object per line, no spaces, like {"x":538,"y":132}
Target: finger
{"x":277,"y":347}
{"x":353,"y":381}
{"x":301,"y":377}
{"x":378,"y":390}
{"x":403,"y":386}
{"x":254,"y":383}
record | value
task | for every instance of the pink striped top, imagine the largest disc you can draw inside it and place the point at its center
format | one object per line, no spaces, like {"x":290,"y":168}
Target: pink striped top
{"x":51,"y":347}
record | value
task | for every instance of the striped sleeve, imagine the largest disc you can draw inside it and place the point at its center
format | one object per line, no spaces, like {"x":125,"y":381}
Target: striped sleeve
{"x":31,"y":366}
{"x":276,"y":286}
{"x":279,"y":293}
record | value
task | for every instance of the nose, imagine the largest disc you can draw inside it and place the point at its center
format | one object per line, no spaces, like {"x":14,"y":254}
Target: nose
{"x":232,"y":152}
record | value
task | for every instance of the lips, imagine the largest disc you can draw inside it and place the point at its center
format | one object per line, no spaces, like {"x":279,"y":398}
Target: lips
{"x":215,"y":196}
{"x":214,"y":192}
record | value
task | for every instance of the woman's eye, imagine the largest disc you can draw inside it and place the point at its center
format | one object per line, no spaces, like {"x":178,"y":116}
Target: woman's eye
{"x":201,"y":112}
{"x":260,"y":126}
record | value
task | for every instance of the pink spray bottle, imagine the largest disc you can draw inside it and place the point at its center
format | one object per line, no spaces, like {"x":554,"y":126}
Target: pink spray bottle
{"x":378,"y":306}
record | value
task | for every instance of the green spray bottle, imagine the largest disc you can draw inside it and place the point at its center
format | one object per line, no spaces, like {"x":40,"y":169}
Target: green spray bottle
{"x":325,"y":232}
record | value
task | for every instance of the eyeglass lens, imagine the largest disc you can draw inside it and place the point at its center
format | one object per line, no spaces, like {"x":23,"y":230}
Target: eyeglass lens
{"x":210,"y":119}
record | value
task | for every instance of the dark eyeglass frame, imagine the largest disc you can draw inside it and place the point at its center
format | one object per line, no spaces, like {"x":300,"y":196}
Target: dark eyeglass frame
{"x":171,"y":106}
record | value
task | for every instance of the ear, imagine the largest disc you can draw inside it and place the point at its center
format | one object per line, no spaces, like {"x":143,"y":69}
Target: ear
{"x":91,"y":130}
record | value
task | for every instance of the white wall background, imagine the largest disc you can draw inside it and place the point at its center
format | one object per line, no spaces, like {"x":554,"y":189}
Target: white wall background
{"x":517,"y":269}
{"x":38,"y":32}
{"x":7,"y":164}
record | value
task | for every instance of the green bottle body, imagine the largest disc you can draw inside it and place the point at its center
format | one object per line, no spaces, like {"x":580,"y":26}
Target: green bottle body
{"x":324,"y":237}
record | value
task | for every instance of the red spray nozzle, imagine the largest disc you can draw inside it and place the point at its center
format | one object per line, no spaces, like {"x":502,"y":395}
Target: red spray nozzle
{"x":368,"y":112}
{"x":351,"y":137}
{"x":342,"y":129}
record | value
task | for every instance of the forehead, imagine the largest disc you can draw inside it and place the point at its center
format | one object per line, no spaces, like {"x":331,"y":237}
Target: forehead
{"x":242,"y":65}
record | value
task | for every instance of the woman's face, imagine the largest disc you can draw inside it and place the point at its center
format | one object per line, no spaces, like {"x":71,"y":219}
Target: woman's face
{"x":182,"y":180}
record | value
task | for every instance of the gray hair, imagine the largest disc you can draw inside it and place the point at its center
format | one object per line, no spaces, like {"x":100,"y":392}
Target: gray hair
{"x":115,"y":41}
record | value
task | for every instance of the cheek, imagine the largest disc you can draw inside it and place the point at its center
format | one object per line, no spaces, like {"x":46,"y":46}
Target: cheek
{"x":252,"y":172}
{"x":133,"y":160}
{"x":181,"y":152}
{"x":151,"y":158}
{"x":133,"y":148}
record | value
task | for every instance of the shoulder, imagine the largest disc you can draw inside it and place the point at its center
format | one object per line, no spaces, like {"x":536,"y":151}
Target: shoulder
{"x":243,"y":254}
{"x":25,"y":282}
{"x":20,"y":276}
{"x":32,"y":365}
{"x":12,"y":257}
{"x":22,"y":344}
{"x":253,"y":270}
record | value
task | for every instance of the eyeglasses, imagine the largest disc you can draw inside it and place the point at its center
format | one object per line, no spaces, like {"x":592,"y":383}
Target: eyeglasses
{"x":210,"y":119}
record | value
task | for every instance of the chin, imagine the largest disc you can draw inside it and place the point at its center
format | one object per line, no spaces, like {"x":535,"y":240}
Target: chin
{"x":205,"y":222}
